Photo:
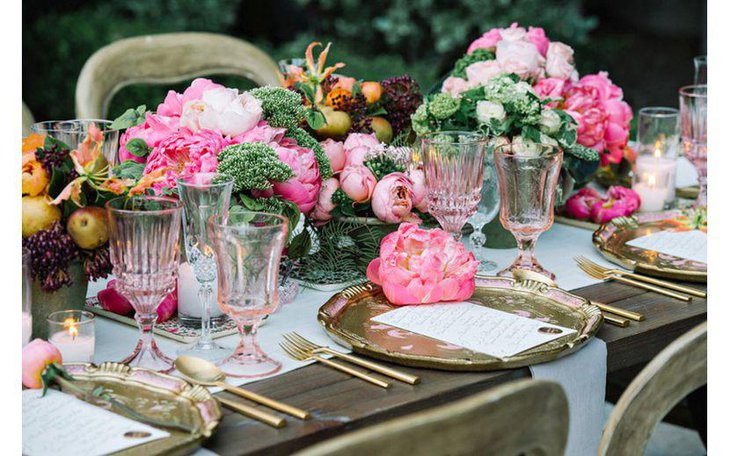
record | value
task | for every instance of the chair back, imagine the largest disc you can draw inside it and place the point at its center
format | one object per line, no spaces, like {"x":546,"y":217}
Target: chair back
{"x":165,"y":59}
{"x":527,"y":417}
{"x":675,"y":372}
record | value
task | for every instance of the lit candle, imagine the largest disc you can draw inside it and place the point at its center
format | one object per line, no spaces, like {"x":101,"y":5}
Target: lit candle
{"x":652,"y":197}
{"x":27,"y":323}
{"x":72,"y":332}
{"x":655,"y":177}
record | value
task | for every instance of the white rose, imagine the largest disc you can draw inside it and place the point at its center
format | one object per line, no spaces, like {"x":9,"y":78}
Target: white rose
{"x":486,"y":111}
{"x":549,"y":121}
{"x":559,"y":62}
{"x":525,"y":148}
{"x":222,"y":109}
{"x":519,"y":57}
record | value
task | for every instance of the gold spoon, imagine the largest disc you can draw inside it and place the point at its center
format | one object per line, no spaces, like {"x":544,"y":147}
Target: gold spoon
{"x":524,"y":274}
{"x":200,"y":371}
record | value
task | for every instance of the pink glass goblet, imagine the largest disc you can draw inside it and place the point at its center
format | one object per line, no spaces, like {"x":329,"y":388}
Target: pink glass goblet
{"x":248,"y":248}
{"x":144,"y":252}
{"x":453,"y":163}
{"x":693,"y":128}
{"x":527,"y":182}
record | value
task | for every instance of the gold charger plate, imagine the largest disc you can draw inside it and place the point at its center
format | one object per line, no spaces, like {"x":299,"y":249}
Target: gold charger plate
{"x":347,"y":319}
{"x":611,"y":238}
{"x":155,"y":395}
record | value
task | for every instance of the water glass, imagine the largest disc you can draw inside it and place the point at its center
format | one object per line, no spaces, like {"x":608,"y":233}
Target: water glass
{"x":700,"y":69}
{"x":144,"y":249}
{"x":73,"y":132}
{"x":486,"y":211}
{"x":693,"y":127}
{"x":453,"y":163}
{"x":26,"y":315}
{"x":527,"y":187}
{"x":203,"y":195}
{"x":248,"y":247}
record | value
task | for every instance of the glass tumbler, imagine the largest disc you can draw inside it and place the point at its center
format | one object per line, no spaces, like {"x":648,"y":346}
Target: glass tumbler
{"x":144,"y":235}
{"x":73,"y":132}
{"x":693,"y":133}
{"x":527,"y":186}
{"x":700,"y":69}
{"x":248,"y":248}
{"x":26,"y":315}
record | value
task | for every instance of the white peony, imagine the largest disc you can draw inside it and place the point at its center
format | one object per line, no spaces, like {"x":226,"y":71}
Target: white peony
{"x":549,"y":121}
{"x":487,"y":110}
{"x":222,"y":109}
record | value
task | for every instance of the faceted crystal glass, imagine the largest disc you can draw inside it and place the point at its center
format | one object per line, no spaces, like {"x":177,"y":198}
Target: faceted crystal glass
{"x":144,"y":235}
{"x":693,"y":133}
{"x":203,"y":196}
{"x":453,"y":163}
{"x":248,"y":248}
{"x":72,"y":133}
{"x":527,"y":186}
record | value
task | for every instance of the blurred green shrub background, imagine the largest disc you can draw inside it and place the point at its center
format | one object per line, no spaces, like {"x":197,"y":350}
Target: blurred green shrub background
{"x":647,"y":47}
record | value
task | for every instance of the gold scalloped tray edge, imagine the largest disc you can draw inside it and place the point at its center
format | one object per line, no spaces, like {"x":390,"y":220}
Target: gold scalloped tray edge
{"x":345,"y":317}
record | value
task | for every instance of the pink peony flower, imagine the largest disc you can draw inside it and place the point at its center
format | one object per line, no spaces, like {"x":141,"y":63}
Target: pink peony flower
{"x":455,"y":86}
{"x":222,"y":109}
{"x":418,"y":179}
{"x":559,"y":62}
{"x":358,"y":146}
{"x":113,"y":301}
{"x":335,"y":151}
{"x":487,"y":41}
{"x":173,"y":104}
{"x":185,"y":152}
{"x":536,"y":36}
{"x":579,"y":206}
{"x":358,"y":183}
{"x":392,"y":199}
{"x":519,"y":57}
{"x":303,"y":187}
{"x":419,"y":266}
{"x":153,"y":130}
{"x":479,"y":73}
{"x":621,"y":202}
{"x":262,"y":132}
{"x":37,"y":356}
{"x":322,"y":211}
{"x":550,"y":88}
{"x":168,"y":307}
{"x":513,"y":33}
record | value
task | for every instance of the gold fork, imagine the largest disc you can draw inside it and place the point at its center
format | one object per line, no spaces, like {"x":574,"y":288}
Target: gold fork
{"x":593,"y":272}
{"x":298,"y":354}
{"x":311,"y":347}
{"x":662,"y":283}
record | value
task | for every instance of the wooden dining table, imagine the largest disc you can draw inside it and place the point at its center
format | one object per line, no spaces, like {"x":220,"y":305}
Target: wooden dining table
{"x":341,"y":404}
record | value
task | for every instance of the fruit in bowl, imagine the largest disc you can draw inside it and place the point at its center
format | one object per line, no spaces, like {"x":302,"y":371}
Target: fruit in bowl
{"x":38,"y":214}
{"x":88,"y":227}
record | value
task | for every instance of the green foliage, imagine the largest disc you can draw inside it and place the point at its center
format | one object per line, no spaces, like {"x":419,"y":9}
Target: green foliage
{"x":382,"y":165}
{"x":129,"y":169}
{"x":479,"y":55}
{"x":253,"y":166}
{"x":272,"y":205}
{"x":282,"y":108}
{"x":130,"y":118}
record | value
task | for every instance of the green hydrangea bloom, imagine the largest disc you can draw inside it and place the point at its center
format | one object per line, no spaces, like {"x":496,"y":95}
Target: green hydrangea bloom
{"x":419,"y":120}
{"x":304,"y":139}
{"x":583,"y":153}
{"x":282,"y":108}
{"x":253,"y":166}
{"x":443,"y":106}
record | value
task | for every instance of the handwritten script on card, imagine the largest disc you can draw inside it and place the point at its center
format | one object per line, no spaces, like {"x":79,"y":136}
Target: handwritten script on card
{"x":62,"y":425}
{"x":691,"y":245}
{"x":478,"y":328}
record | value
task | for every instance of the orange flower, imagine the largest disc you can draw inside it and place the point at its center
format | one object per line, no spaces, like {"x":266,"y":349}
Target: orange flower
{"x":33,"y":142}
{"x":35,"y":178}
{"x":319,"y":73}
{"x":147,"y":180}
{"x":116,"y":185}
{"x":336,"y":98}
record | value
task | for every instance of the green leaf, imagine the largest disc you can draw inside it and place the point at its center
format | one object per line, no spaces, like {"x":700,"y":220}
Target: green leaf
{"x":251,"y":204}
{"x":138,"y":147}
{"x":129,"y":169}
{"x":315,"y":119}
{"x":531,"y":134}
{"x":50,"y":141}
{"x":300,"y":245}
{"x":380,"y":111}
{"x":308,"y":92}
{"x":130,"y":118}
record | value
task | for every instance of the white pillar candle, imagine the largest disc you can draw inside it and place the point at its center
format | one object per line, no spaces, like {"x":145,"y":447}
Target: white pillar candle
{"x":652,"y":198}
{"x":74,"y":347}
{"x":663,"y":170}
{"x":187,"y":294}
{"x":27,"y":323}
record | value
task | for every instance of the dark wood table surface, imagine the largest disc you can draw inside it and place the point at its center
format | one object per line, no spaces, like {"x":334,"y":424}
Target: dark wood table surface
{"x":340,"y":403}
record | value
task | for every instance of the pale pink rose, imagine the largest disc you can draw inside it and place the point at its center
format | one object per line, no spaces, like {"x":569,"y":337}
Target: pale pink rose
{"x":418,"y":179}
{"x":487,"y":41}
{"x":536,"y":36}
{"x":513,"y":33}
{"x":262,"y":132}
{"x":322,"y":211}
{"x":559,"y":63}
{"x":303,"y":187}
{"x":419,"y":266}
{"x":579,"y":205}
{"x":358,"y":183}
{"x":479,"y":73}
{"x":620,"y":202}
{"x":344,"y":82}
{"x":153,"y":130}
{"x":173,"y":104}
{"x":222,"y":109}
{"x":550,"y":88}
{"x":358,"y":146}
{"x":37,"y":355}
{"x":519,"y":57}
{"x":392,"y":199}
{"x":455,"y":86}
{"x":335,"y":151}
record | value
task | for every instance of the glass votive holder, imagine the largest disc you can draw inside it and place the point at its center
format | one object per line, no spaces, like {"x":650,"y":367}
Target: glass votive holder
{"x":658,"y":147}
{"x":73,"y":333}
{"x":654,"y":184}
{"x":26,"y":315}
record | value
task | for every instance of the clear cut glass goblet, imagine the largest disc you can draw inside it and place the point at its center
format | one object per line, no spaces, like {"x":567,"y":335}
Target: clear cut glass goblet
{"x":528,"y":179}
{"x":248,"y":247}
{"x":73,"y":132}
{"x":203,"y":195}
{"x":486,"y":211}
{"x":693,"y":133}
{"x":453,"y":163}
{"x":144,"y":233}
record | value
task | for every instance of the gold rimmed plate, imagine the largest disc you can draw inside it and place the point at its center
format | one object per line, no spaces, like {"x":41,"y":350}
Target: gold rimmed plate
{"x":611,"y":240}
{"x":155,"y":395}
{"x":347,"y":319}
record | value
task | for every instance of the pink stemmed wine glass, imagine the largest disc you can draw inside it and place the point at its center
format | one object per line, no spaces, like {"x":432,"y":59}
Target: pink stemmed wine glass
{"x":453,"y":163}
{"x":248,"y":247}
{"x":527,"y":184}
{"x":693,"y":127}
{"x":143,"y":247}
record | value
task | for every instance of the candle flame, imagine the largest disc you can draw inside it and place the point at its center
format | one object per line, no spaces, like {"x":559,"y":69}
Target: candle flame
{"x":652,"y":180}
{"x":657,"y":149}
{"x":70,"y":323}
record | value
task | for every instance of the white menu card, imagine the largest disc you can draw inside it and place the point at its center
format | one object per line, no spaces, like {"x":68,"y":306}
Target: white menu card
{"x":62,"y":425}
{"x":478,"y":328}
{"x":691,"y":245}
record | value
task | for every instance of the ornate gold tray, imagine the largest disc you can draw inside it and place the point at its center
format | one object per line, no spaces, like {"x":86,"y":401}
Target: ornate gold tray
{"x":610,"y":239}
{"x":156,"y":395}
{"x":346,"y":317}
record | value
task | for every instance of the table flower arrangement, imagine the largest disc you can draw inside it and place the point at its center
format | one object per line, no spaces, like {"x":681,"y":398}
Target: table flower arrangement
{"x":589,"y":204}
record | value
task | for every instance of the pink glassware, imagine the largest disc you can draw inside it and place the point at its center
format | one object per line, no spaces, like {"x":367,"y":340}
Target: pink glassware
{"x":144,"y":251}
{"x":527,"y":186}
{"x":693,"y":127}
{"x":453,"y":163}
{"x":248,"y":248}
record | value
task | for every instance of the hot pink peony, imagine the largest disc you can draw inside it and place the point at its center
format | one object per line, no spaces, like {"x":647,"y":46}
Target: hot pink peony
{"x":579,"y":206}
{"x":392,"y":199}
{"x":322,"y":211}
{"x":262,"y":132}
{"x":335,"y":151}
{"x":419,"y":266}
{"x":358,"y":183}
{"x":550,"y":88}
{"x":358,"y":146}
{"x":487,"y":41}
{"x":37,"y":355}
{"x":536,"y":36}
{"x":153,"y":130}
{"x":113,"y":301}
{"x":303,"y":187}
{"x":620,"y":202}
